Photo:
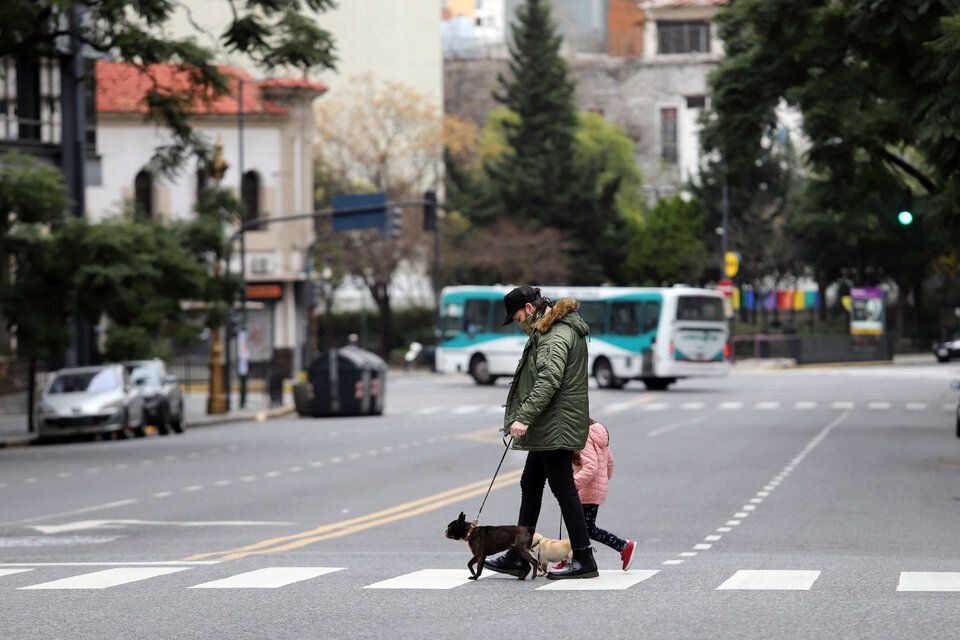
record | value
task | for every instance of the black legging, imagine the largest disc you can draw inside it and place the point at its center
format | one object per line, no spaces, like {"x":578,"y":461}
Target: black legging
{"x":555,"y":466}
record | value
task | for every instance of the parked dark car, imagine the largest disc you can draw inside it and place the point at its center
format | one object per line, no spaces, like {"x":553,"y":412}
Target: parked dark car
{"x":946,"y":349}
{"x":163,"y":401}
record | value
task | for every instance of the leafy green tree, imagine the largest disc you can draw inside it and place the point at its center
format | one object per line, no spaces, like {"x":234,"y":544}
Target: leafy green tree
{"x":271,"y":33}
{"x":668,"y":247}
{"x":34,"y":298}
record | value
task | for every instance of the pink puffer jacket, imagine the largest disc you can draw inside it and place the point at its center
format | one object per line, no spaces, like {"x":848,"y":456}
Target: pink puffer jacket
{"x":596,"y":466}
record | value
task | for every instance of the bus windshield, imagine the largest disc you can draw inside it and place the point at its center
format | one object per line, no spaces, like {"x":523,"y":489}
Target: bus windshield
{"x":699,"y":308}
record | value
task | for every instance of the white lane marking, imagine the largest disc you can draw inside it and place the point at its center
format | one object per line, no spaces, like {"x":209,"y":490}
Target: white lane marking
{"x":495,"y":410}
{"x":428,"y":579}
{"x":916,"y":406}
{"x":929,"y":581}
{"x":354,"y":456}
{"x":372,"y":452}
{"x":31,"y":480}
{"x":336,"y":460}
{"x":162,"y":494}
{"x":756,"y":500}
{"x":295,"y":469}
{"x":99,"y":507}
{"x":222,"y":483}
{"x":671,"y":427}
{"x":107,"y":578}
{"x":749,"y":507}
{"x":470,"y":408}
{"x":269,"y":578}
{"x":879,"y":405}
{"x":724,"y":529}
{"x":673,"y":562}
{"x":691,"y":406}
{"x":84,"y":525}
{"x":763,"y":494}
{"x":93,"y":470}
{"x":271,"y":474}
{"x":170,"y":458}
{"x":65,"y":474}
{"x":740,"y":514}
{"x":805,"y":404}
{"x":616,"y":407}
{"x":155,"y":563}
{"x":10,"y":572}
{"x":386,"y":449}
{"x":428,"y":411}
{"x":727,"y":406}
{"x":847,"y":406}
{"x":316,"y":463}
{"x":712,"y":538}
{"x":687,"y":554}
{"x":702,"y":547}
{"x":780,"y":580}
{"x":655,"y":406}
{"x":146,"y":462}
{"x":194,"y":487}
{"x":606,"y":581}
{"x":768,"y":405}
{"x":733,"y":523}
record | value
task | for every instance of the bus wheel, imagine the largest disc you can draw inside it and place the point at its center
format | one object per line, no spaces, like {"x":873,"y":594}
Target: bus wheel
{"x":480,"y":370}
{"x":657,"y":384}
{"x":603,"y":372}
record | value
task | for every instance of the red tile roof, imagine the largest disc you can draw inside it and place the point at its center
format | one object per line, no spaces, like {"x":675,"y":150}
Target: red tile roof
{"x":674,"y":4}
{"x":121,"y":88}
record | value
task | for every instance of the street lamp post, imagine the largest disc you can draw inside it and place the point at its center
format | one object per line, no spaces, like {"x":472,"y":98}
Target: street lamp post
{"x":217,"y":400}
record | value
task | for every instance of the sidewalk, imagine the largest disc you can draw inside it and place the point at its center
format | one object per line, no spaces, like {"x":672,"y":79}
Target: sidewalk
{"x":767,"y":364}
{"x":13,"y":414}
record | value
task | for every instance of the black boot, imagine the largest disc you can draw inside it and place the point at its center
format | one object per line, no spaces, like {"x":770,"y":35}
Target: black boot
{"x":582,"y":566}
{"x":508,"y":563}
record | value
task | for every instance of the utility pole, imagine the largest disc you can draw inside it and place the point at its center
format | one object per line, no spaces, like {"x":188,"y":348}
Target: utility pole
{"x":242,"y":363}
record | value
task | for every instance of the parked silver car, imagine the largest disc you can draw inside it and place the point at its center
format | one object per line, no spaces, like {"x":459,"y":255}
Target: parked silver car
{"x":88,"y":400}
{"x":163,"y":401}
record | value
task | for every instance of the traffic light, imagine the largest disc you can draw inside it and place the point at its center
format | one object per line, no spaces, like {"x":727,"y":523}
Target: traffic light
{"x":430,"y":211}
{"x":905,"y":217}
{"x":394,"y":224}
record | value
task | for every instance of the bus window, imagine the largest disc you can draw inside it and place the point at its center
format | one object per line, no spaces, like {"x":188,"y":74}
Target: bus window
{"x":451,"y":321}
{"x":594,"y":314}
{"x":626,"y":319}
{"x":651,"y":315}
{"x":699,"y":308}
{"x":477,"y":316}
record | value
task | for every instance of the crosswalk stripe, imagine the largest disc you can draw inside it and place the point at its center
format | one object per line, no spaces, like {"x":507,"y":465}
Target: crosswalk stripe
{"x":269,"y":578}
{"x":929,"y":581}
{"x":10,"y":572}
{"x":428,"y":579}
{"x":607,"y":581}
{"x":107,"y":578}
{"x":774,"y":580}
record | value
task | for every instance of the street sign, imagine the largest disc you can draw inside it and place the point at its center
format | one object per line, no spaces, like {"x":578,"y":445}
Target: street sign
{"x":731,"y":264}
{"x":373,"y":218}
{"x":726,"y":288}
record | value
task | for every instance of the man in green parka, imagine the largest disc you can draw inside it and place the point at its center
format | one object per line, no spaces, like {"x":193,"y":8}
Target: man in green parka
{"x":547,"y":415}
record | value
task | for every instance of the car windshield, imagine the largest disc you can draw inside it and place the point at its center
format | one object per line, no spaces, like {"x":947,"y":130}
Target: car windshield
{"x":145,"y":376}
{"x":85,"y":382}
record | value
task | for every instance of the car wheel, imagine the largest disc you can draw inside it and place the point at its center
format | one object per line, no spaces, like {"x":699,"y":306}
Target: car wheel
{"x":180,"y":424}
{"x":163,"y":421}
{"x":943,"y":359}
{"x":480,"y":370}
{"x":125,"y":432}
{"x":603,"y":372}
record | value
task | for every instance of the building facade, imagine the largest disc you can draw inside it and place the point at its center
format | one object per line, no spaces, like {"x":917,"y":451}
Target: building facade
{"x":271,"y":170}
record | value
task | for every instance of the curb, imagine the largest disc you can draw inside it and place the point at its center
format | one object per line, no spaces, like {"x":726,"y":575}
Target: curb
{"x":259,"y":416}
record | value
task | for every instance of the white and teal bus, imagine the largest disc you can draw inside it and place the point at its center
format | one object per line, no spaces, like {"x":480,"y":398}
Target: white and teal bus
{"x":656,"y":335}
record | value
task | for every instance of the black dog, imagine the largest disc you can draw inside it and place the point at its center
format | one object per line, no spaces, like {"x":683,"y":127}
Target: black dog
{"x":485,"y":541}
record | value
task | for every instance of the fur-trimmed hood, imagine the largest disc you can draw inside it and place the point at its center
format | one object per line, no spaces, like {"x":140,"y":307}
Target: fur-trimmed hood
{"x":564,"y":310}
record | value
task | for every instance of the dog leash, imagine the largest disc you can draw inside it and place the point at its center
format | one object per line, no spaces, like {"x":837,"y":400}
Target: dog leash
{"x":506,"y":447}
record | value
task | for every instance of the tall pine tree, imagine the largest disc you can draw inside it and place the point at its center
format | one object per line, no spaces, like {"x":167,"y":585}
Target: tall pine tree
{"x":534,"y":179}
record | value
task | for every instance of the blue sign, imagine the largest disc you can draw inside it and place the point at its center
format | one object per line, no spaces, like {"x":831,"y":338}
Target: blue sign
{"x":374,"y":216}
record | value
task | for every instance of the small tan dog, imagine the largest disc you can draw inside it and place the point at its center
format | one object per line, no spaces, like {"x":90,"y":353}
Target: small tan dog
{"x":549,"y":550}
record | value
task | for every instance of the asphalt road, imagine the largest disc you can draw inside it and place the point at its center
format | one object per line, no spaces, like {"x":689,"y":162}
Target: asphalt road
{"x":820,"y":503}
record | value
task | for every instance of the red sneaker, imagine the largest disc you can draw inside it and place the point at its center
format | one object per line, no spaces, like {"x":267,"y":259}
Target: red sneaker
{"x":560,"y":565}
{"x":627,"y":554}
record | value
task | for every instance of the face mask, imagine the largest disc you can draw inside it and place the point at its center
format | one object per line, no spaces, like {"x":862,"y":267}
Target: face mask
{"x":530,"y":322}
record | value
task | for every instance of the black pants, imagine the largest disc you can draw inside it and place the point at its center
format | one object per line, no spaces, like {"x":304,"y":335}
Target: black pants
{"x":555,"y":467}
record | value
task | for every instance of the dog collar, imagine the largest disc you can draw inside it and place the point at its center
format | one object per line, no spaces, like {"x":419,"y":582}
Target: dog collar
{"x":470,"y":530}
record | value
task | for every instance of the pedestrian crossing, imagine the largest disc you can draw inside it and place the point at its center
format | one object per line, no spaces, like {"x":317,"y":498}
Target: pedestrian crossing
{"x":23,"y":579}
{"x":763,"y":405}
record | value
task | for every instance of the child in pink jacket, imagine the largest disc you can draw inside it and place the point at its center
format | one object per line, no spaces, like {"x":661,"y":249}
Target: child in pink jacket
{"x":592,"y":469}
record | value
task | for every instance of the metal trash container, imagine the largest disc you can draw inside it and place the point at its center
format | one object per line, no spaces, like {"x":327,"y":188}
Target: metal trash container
{"x":348,"y":382}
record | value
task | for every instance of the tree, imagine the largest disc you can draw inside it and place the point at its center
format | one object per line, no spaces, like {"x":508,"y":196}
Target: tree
{"x":381,"y":137}
{"x":271,"y":33}
{"x":876,"y":86}
{"x":34,"y":298}
{"x":668,"y":246}
{"x":534,"y":178}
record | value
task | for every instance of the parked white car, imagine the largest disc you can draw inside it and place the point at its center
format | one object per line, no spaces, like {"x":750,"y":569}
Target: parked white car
{"x":87,"y":400}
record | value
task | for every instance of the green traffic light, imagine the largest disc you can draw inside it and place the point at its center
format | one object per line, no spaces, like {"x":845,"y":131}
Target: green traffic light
{"x":905,"y":217}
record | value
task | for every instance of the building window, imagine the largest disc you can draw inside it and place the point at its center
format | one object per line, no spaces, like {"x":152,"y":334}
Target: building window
{"x":668,"y":135}
{"x":696,"y":102}
{"x":250,"y":195}
{"x":30,"y":100}
{"x":143,"y":193}
{"x":683,"y":37}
